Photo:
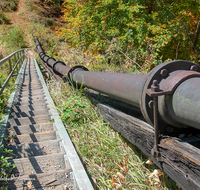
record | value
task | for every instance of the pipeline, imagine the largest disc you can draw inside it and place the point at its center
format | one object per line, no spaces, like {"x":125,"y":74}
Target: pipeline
{"x":168,"y":96}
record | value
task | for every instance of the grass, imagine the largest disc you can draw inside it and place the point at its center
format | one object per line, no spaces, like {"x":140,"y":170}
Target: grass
{"x":112,"y":162}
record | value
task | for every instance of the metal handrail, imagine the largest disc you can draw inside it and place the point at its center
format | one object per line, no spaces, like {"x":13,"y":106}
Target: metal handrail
{"x":20,"y":54}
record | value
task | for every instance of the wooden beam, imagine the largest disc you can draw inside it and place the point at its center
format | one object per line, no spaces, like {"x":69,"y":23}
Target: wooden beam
{"x":180,"y":160}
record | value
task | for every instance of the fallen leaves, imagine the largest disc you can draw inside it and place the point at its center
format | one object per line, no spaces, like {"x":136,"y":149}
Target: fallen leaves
{"x":149,"y":162}
{"x":117,"y":180}
{"x":155,"y":177}
{"x":123,"y":165}
{"x":30,"y":184}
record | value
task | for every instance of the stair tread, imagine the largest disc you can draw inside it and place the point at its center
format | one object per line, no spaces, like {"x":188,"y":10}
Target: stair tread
{"x":35,"y":137}
{"x":38,"y":113}
{"x":17,"y":108}
{"x":30,"y":129}
{"x":57,"y":180}
{"x":25,"y":150}
{"x":39,"y":164}
{"x":29,"y":120}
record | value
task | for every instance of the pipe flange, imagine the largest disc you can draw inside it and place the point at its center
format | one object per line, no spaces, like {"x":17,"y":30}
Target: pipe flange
{"x":45,"y":57}
{"x":69,"y":74}
{"x":169,"y":76}
{"x":40,"y":54}
{"x":48,"y":61}
{"x":38,"y":46}
{"x":61,"y":62}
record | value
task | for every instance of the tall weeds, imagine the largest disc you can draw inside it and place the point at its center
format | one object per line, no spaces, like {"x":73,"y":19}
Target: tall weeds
{"x":13,"y":38}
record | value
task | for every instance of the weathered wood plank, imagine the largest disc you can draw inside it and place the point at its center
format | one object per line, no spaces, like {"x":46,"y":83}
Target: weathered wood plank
{"x":180,"y":160}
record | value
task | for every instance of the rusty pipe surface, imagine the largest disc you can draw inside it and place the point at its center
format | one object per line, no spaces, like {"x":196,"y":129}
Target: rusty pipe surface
{"x":178,"y":97}
{"x":124,"y":87}
{"x":184,"y":103}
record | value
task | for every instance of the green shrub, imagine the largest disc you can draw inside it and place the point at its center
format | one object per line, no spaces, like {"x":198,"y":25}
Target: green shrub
{"x":9,"y":5}
{"x":4,"y":19}
{"x":14,"y":39}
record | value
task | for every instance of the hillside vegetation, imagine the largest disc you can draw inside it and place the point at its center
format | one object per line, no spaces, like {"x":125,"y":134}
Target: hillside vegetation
{"x":103,"y":35}
{"x":149,"y":32}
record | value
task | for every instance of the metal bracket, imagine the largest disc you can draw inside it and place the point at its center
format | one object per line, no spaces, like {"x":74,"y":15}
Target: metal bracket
{"x":169,"y":76}
{"x":155,"y":92}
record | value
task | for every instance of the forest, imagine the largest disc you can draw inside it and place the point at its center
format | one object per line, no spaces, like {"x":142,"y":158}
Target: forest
{"x":134,"y":31}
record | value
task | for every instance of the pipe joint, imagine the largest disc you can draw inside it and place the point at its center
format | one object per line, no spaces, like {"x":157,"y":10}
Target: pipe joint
{"x":164,"y":85}
{"x":70,"y":73}
{"x":54,"y":70}
{"x":50,"y":59}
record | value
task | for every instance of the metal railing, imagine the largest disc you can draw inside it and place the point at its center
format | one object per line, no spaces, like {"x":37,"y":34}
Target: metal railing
{"x":18,"y":60}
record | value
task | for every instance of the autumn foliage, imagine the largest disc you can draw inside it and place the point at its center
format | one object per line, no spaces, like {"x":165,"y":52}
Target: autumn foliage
{"x":149,"y":32}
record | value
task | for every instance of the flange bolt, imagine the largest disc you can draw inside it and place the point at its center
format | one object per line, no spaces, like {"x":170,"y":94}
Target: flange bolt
{"x":155,"y":86}
{"x":150,"y":104}
{"x":194,"y":68}
{"x":164,"y":72}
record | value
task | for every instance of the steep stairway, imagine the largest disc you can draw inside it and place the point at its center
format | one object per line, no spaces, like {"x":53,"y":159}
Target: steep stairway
{"x":37,"y":150}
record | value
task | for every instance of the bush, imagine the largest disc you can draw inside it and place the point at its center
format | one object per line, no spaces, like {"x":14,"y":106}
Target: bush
{"x":14,"y":39}
{"x":4,"y":19}
{"x":10,"y":5}
{"x":148,"y":31}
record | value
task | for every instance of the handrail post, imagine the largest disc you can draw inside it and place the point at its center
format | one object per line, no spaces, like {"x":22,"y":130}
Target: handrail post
{"x":1,"y":94}
{"x":20,"y":62}
{"x":10,"y":65}
{"x":18,"y":65}
{"x":16,"y":62}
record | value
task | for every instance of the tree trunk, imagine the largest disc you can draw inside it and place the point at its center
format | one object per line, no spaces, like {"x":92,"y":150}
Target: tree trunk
{"x":196,"y":35}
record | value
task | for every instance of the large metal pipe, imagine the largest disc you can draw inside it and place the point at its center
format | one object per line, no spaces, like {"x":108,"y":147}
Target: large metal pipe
{"x":184,"y":103}
{"x":125,"y":87}
{"x":177,"y":90}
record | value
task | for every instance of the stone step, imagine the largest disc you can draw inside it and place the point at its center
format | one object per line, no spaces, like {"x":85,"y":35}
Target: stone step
{"x":25,"y":150}
{"x":29,"y":120}
{"x":34,"y":137}
{"x":30,"y":129}
{"x":38,"y":164}
{"x":58,"y":180}
{"x":30,"y":113}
